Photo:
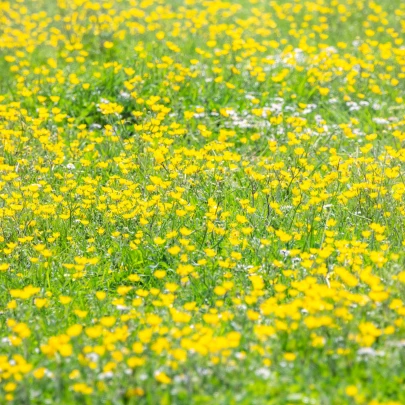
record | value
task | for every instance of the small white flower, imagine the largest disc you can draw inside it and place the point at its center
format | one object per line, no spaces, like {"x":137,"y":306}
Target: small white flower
{"x":367,"y":351}
{"x":106,"y":375}
{"x":263,"y":372}
{"x":93,"y":357}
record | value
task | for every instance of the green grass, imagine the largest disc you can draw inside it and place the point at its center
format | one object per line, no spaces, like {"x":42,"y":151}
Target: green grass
{"x":202,"y":202}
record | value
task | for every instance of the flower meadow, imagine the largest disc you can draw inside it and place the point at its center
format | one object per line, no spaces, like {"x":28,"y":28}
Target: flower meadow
{"x":202,"y":202}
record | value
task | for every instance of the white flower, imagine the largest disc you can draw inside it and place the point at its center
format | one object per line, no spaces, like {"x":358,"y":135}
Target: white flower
{"x":263,"y":372}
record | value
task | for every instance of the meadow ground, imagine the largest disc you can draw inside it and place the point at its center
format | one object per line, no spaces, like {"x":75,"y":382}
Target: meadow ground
{"x":202,"y":202}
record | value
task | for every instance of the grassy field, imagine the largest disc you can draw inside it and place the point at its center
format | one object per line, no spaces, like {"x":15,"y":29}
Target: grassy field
{"x":202,"y":202}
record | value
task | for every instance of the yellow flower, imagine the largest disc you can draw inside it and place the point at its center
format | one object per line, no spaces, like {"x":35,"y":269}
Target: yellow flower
{"x":174,"y":250}
{"x":65,"y":300}
{"x":160,"y":274}
{"x":41,"y":302}
{"x":4,"y":266}
{"x":162,"y":377}
{"x":101,"y":295}
{"x":39,"y":373}
{"x":74,"y":330}
{"x":10,"y":387}
{"x":290,"y":356}
{"x":351,"y":390}
{"x":159,"y":241}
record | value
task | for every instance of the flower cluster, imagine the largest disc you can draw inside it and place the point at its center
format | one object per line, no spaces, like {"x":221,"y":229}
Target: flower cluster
{"x":202,"y":202}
